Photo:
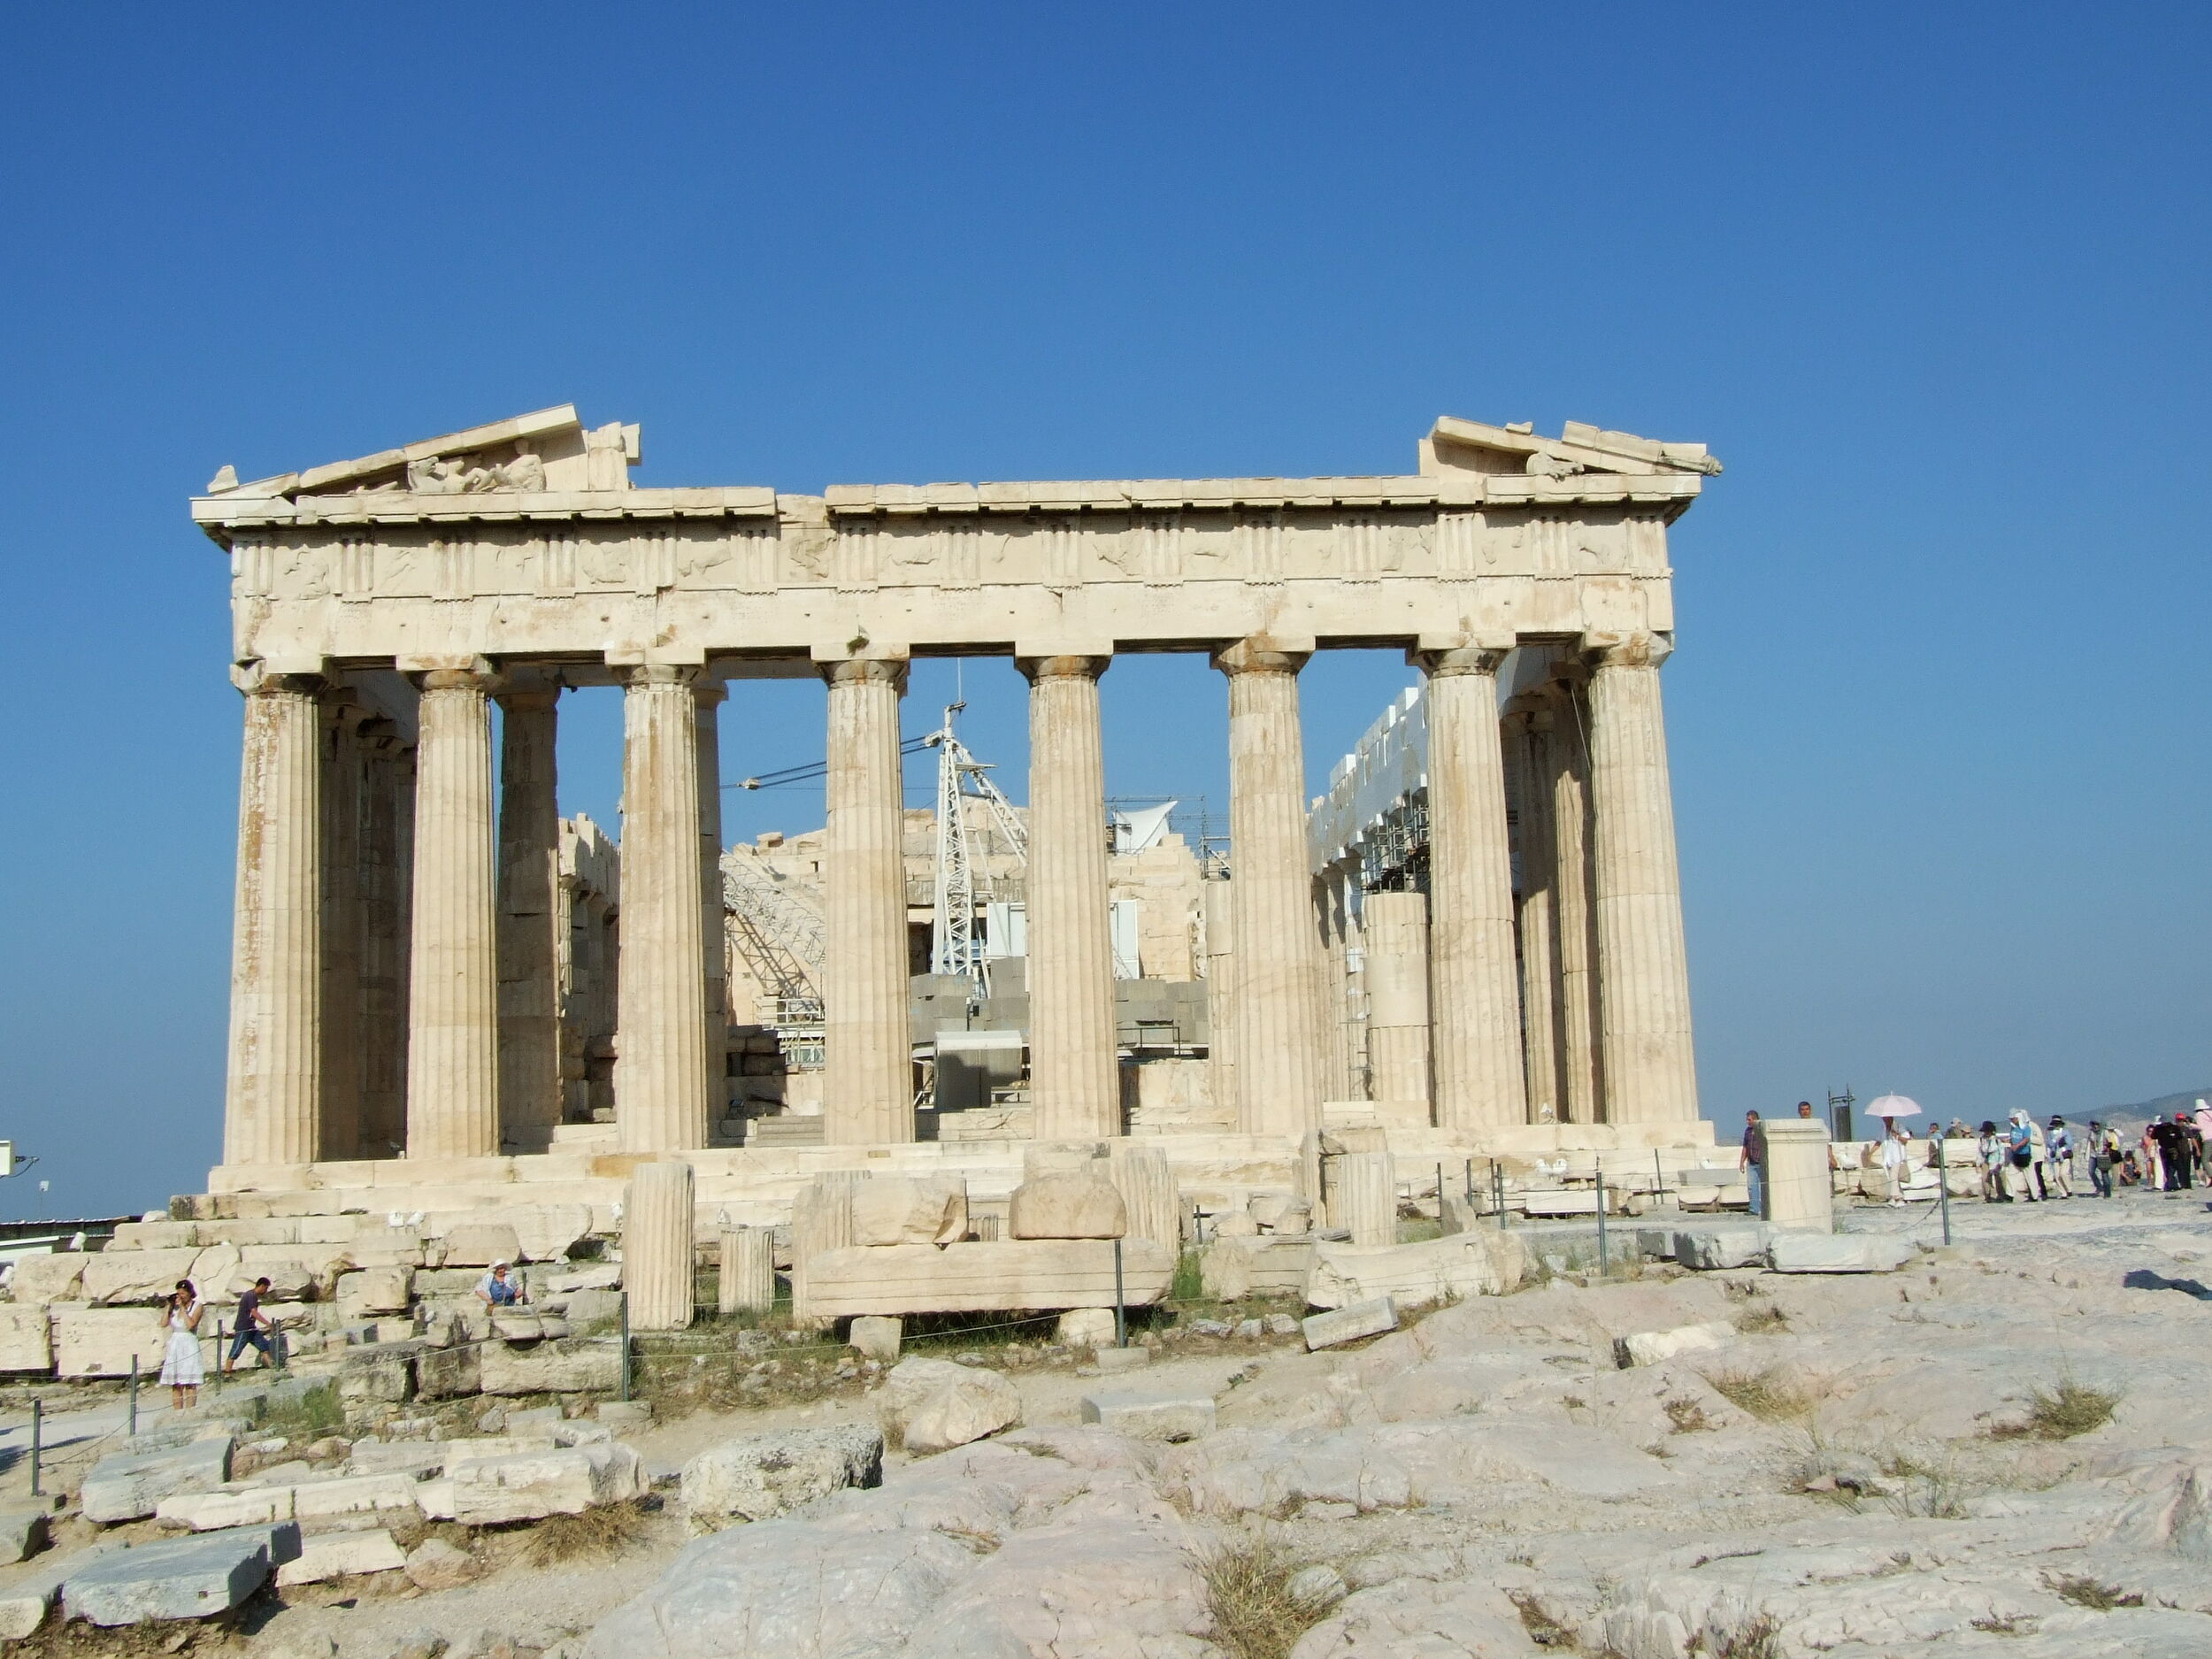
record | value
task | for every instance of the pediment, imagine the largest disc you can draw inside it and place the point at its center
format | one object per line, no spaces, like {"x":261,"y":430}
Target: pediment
{"x":543,"y":451}
{"x":1471,"y":446}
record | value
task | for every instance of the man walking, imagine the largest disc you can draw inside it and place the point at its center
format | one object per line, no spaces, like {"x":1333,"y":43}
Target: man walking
{"x":2059,"y":1164}
{"x":253,"y":1326}
{"x":2104,"y":1157}
{"x":1753,"y":1161}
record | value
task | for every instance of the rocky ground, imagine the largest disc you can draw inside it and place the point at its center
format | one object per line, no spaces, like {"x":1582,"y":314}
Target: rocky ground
{"x":2004,"y":1449}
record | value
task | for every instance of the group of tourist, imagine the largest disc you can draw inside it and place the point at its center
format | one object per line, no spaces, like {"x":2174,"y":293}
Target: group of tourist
{"x":2020,"y":1161}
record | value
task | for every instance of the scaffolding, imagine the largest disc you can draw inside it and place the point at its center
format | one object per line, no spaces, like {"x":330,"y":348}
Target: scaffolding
{"x":780,"y":936}
{"x":963,"y":778}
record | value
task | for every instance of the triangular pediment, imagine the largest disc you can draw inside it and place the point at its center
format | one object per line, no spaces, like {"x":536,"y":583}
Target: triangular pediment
{"x":545,"y":450}
{"x":1472,"y":445}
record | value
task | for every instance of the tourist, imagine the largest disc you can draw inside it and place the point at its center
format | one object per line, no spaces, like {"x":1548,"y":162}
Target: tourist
{"x":2059,"y":1164}
{"x":1751,"y":1161}
{"x":2019,"y":1156}
{"x":497,"y":1290}
{"x":2202,"y":1122}
{"x":2104,"y":1157}
{"x":2038,"y":1160}
{"x":2154,"y":1164}
{"x":2183,"y":1151}
{"x":182,"y":1367}
{"x":1990,"y":1153}
{"x":251,"y":1325}
{"x":1896,"y":1157}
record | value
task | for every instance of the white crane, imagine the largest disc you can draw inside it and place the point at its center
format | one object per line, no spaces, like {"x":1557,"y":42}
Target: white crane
{"x":962,"y":778}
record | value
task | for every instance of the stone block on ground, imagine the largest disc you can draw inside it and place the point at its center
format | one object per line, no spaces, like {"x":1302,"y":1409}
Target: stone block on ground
{"x":1116,"y":1359}
{"x":179,"y":1578}
{"x":397,"y":1458}
{"x":910,"y":1210}
{"x":435,"y":1565}
{"x":1170,"y":1417}
{"x":931,"y":1405}
{"x":759,"y":1476}
{"x":26,"y":1341}
{"x":630,"y":1414}
{"x":1281,"y":1212}
{"x":1837,"y":1253}
{"x":1487,"y":1261}
{"x":1067,"y":1206}
{"x":214,"y":1511}
{"x":1086,"y":1327}
{"x":102,"y":1341}
{"x":341,"y":1556}
{"x":1727,"y":1244}
{"x":529,"y":1486}
{"x":481,"y":1243}
{"x":1225,"y":1270}
{"x":22,"y":1533}
{"x":1044,"y":1275}
{"x":593,"y":1310}
{"x":129,"y":1485}
{"x":876,"y":1336}
{"x":1653,"y":1348}
{"x":58,"y":1276}
{"x":26,"y":1601}
{"x":1350,"y":1324}
{"x":569,"y":1365}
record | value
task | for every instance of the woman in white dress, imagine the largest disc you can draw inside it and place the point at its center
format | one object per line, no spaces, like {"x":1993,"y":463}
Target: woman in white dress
{"x":180,"y":1365}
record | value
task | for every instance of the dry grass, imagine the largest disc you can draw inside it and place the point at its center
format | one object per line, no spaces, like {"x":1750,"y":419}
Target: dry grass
{"x":1247,"y":1580}
{"x":605,"y":1531}
{"x":2088,"y":1593}
{"x":1765,"y":1320}
{"x":2060,"y":1413}
{"x":1769,"y":1394}
{"x":1687,"y":1416}
{"x":1758,"y":1637}
{"x":2005,"y":1623}
{"x":1545,"y":1627}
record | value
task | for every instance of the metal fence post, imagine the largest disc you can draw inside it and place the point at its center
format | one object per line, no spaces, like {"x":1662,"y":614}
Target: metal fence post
{"x":133,"y":1394}
{"x":1943,"y":1185}
{"x":1121,"y":1307}
{"x":38,"y":1410}
{"x":626,"y":1344}
{"x":1604,"y":1264}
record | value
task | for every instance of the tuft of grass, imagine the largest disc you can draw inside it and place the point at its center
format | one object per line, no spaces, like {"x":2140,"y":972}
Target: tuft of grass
{"x":2060,"y":1413}
{"x":1766,"y":1320}
{"x":1248,"y":1593}
{"x":1926,"y":1492}
{"x":1189,"y":1283}
{"x":1545,"y":1627}
{"x":307,"y":1416}
{"x":1758,"y":1637}
{"x":2005,"y":1623}
{"x":1687,"y":1416}
{"x":1768,"y":1394}
{"x":2088,"y":1593}
{"x":605,"y":1531}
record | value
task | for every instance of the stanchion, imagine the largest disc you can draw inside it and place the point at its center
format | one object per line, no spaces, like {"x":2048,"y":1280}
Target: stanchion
{"x":1604,"y":1262}
{"x":1121,"y":1304}
{"x":1198,"y":1223}
{"x":1658,"y":1175}
{"x":134,"y":1393}
{"x":38,"y":1423}
{"x":626,"y":1345}
{"x":1439,"y":1193}
{"x":1469,"y":1177}
{"x":1943,"y":1187}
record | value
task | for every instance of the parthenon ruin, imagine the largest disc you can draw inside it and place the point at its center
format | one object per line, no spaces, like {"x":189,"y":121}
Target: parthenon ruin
{"x":404,"y":901}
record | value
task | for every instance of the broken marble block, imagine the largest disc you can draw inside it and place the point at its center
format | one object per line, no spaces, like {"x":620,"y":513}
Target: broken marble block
{"x":130,"y":1485}
{"x":1142,"y":1416}
{"x":181,"y":1578}
{"x":340,"y":1556}
{"x":757,"y":1477}
{"x":910,"y":1210}
{"x":1707,"y":1248}
{"x":529,"y":1486}
{"x":931,"y":1405}
{"x":1349,"y":1325}
{"x":1487,"y":1262}
{"x":1653,"y":1348}
{"x":1067,"y":1205}
{"x":1838,"y":1252}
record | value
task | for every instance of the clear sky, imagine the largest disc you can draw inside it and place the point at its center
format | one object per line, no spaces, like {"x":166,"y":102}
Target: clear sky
{"x":1930,"y":279}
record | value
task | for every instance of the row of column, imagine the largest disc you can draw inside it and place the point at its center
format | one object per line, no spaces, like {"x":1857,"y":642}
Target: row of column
{"x":315,"y":1003}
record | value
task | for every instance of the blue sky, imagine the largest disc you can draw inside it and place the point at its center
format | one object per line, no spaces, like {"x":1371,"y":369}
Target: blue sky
{"x":1930,"y":279}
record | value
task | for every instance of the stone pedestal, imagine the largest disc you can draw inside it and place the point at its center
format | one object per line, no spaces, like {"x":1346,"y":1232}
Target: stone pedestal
{"x":453,"y":987}
{"x":1395,"y":949}
{"x":1074,"y":1076}
{"x":661,"y":1069}
{"x":1643,"y":973}
{"x":1277,"y":1048}
{"x":867,"y":1085}
{"x":1580,"y":1075}
{"x":1364,"y":1196}
{"x":658,"y":1245}
{"x":1474,"y":989}
{"x":1798,"y":1191}
{"x":273,"y":1100}
{"x":529,"y":883}
{"x":748,"y":1270}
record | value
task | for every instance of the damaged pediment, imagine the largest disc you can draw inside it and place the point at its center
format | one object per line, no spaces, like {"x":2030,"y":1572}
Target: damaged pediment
{"x":1470,"y":446}
{"x":547,"y":451}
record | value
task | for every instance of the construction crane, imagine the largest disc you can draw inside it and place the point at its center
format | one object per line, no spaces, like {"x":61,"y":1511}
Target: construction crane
{"x":962,"y":778}
{"x":780,"y":936}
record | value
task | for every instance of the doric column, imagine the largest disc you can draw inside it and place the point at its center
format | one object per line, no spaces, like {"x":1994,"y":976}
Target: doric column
{"x":1643,"y":971}
{"x":1395,"y":953}
{"x":1474,"y":989}
{"x":342,"y":883}
{"x":453,"y":975}
{"x":867,"y":1064}
{"x":1073,"y":1071}
{"x":1217,"y":899}
{"x":1332,"y":944}
{"x":1581,"y":1080}
{"x":1277,"y":1049}
{"x":660,"y":1098}
{"x":714,"y":932}
{"x":389,"y":774}
{"x":1528,"y":755}
{"x":529,"y":909}
{"x":273,"y":1097}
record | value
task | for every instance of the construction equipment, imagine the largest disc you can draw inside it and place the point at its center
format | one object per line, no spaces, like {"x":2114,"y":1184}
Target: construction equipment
{"x":780,"y":936}
{"x":963,"y":778}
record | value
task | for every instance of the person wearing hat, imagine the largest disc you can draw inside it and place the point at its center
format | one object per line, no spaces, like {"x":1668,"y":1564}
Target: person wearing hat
{"x":2059,"y":1165}
{"x":2104,"y":1157}
{"x":2020,"y":1137}
{"x":496,"y":1289}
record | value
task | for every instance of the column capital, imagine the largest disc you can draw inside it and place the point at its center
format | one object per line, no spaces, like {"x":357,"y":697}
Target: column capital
{"x":1467,"y":659}
{"x":257,"y":680}
{"x":709,"y":693}
{"x":1638,"y":649}
{"x":1262,"y":654}
{"x":856,"y":671}
{"x":634,"y":675}
{"x":1036,"y":668}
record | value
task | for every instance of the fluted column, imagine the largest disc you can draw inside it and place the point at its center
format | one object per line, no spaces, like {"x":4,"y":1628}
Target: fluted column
{"x":453,"y":978}
{"x":388,"y":773}
{"x":713,"y":942}
{"x":1643,"y":971}
{"x":1528,"y":753}
{"x":529,"y":909}
{"x":660,"y":1098}
{"x":1475,"y":994}
{"x":867,"y":1063}
{"x":1073,"y":1070}
{"x":1581,"y":1073}
{"x":1394,"y":952}
{"x":342,"y":882}
{"x":273,"y":1100}
{"x":1277,"y":1049}
{"x":1219,"y":898}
